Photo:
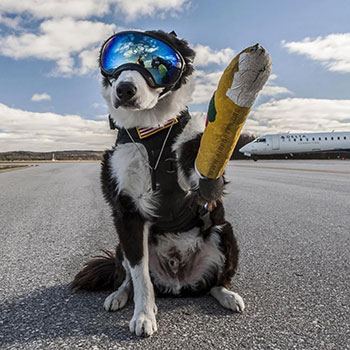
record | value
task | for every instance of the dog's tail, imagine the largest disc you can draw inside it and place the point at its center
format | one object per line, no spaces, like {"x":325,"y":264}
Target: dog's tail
{"x":103,"y":272}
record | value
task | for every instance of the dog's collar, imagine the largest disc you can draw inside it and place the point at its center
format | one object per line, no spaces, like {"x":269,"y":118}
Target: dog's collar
{"x":145,"y":132}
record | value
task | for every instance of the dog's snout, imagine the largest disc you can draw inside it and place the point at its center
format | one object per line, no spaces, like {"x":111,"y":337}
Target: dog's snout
{"x":125,"y":91}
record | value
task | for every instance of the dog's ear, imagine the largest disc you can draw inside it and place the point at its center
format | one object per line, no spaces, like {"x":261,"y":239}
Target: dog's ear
{"x":173,"y":33}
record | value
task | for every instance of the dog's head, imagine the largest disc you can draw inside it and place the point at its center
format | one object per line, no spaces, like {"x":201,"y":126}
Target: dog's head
{"x":133,"y":102}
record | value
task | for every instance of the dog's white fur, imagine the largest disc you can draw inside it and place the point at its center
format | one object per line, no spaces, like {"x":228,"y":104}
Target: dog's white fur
{"x":130,"y":168}
{"x":194,"y":127}
{"x":228,"y":299}
{"x":132,"y":171}
{"x":150,"y":111}
{"x":208,"y":255}
{"x":144,"y":318}
{"x":132,"y":175}
{"x":118,"y":299}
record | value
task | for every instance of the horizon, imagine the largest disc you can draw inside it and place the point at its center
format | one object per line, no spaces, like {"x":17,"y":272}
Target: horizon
{"x":244,"y":134}
{"x":48,"y":62}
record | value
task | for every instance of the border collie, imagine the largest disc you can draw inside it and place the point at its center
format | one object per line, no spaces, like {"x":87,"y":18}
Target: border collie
{"x":173,"y":235}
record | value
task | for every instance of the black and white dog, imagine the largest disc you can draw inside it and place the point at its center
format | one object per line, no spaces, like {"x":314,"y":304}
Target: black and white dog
{"x":174,"y":239}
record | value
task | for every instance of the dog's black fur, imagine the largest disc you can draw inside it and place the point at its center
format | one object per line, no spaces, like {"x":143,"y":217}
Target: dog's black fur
{"x":109,"y":271}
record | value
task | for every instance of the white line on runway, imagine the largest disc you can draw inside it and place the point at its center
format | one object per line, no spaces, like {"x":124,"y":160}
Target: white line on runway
{"x":294,"y":169}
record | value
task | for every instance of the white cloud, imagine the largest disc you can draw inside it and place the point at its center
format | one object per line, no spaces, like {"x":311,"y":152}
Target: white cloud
{"x":72,"y":43}
{"x":30,"y":131}
{"x":41,"y":97}
{"x":205,"y":85}
{"x":60,"y":40}
{"x":102,"y":117}
{"x":136,"y":8}
{"x":333,"y":50}
{"x":274,"y":90}
{"x":206,"y":55}
{"x":299,"y":115}
{"x":271,"y":89}
{"x":89,"y":60}
{"x":56,"y":8}
{"x":82,"y":9}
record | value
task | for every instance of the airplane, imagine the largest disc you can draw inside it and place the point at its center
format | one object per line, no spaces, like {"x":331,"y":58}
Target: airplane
{"x":297,"y":143}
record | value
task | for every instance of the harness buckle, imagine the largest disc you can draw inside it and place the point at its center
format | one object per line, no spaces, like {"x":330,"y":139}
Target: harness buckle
{"x":204,"y":215}
{"x":171,"y":166}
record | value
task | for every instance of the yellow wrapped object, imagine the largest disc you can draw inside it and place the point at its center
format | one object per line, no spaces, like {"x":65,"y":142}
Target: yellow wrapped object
{"x":225,"y":117}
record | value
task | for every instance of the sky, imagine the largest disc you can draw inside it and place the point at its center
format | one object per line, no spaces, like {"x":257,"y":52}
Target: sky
{"x":50,"y":83}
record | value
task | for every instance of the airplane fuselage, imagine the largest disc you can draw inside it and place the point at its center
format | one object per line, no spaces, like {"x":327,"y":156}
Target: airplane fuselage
{"x":298,"y":143}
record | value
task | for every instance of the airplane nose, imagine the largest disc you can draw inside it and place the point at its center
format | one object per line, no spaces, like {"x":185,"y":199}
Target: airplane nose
{"x":243,"y":149}
{"x":125,"y":91}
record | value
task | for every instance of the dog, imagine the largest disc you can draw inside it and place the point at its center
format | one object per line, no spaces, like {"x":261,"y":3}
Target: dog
{"x":173,"y":235}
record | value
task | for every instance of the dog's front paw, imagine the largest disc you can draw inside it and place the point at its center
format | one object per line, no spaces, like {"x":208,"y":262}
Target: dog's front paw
{"x":229,"y":300}
{"x":143,"y":324}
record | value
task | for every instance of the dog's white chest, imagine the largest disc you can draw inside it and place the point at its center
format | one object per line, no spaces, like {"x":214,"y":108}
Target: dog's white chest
{"x":131,"y":171}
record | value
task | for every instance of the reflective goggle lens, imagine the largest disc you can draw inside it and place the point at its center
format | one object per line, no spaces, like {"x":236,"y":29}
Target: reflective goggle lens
{"x":160,"y":60}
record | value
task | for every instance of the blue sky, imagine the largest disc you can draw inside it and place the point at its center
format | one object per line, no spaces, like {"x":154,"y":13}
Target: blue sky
{"x":49,"y":82}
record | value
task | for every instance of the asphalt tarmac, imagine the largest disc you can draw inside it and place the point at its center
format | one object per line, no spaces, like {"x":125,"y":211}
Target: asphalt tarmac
{"x":292,"y":221}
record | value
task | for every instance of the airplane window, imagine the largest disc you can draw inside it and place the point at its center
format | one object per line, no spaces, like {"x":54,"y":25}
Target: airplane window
{"x":332,"y":138}
{"x":325,"y":138}
{"x":344,"y":137}
{"x":307,"y":139}
{"x":301,"y":139}
{"x":319,"y":138}
{"x":338,"y":138}
{"x":295,"y":140}
{"x":313,"y":139}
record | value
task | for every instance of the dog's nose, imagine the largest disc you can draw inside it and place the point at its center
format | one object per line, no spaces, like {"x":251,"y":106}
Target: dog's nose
{"x":125,"y":91}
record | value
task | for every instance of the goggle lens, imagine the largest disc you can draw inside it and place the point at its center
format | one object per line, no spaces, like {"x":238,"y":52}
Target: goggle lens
{"x":160,"y":60}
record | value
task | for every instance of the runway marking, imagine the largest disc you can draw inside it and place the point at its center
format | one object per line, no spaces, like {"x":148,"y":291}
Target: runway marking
{"x":293,"y":169}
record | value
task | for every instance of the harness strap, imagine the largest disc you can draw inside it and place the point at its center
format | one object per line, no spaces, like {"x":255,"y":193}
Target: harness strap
{"x":178,"y":211}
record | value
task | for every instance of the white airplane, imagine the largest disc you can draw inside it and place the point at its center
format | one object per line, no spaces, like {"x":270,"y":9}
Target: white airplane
{"x":298,"y":143}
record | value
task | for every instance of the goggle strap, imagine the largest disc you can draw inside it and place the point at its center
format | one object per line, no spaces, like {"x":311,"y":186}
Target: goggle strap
{"x":165,"y":92}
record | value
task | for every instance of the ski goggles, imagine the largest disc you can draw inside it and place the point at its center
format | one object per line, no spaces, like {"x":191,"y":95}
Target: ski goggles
{"x":159,"y":63}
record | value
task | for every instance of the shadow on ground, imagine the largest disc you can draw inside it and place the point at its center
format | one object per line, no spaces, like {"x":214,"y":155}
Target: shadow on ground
{"x":55,"y":312}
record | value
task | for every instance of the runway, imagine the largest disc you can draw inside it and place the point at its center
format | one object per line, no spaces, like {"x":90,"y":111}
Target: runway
{"x":292,"y":221}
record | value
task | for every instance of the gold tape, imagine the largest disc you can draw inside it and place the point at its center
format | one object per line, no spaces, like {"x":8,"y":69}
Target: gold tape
{"x":220,"y":136}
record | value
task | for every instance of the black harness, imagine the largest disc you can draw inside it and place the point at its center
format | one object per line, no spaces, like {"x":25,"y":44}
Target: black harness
{"x":178,"y":211}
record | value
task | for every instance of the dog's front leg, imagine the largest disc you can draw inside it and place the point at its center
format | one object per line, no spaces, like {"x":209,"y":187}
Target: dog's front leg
{"x":143,"y":322}
{"x":133,"y":232}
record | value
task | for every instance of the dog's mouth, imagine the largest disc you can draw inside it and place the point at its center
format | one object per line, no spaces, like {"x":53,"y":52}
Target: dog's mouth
{"x":131,"y":104}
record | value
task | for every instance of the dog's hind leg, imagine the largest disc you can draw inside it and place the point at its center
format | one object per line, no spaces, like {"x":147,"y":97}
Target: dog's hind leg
{"x":229,"y":300}
{"x":118,"y":299}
